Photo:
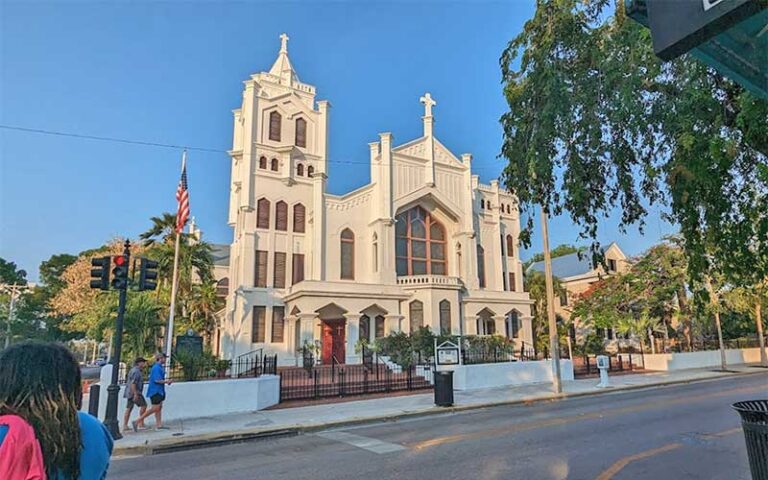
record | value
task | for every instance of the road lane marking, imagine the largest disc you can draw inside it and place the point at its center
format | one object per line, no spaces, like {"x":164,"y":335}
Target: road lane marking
{"x":611,"y":471}
{"x":521,"y":427}
{"x":366,"y":443}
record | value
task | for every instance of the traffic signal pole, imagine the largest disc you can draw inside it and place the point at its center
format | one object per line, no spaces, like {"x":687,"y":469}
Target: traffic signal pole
{"x":110,"y":419}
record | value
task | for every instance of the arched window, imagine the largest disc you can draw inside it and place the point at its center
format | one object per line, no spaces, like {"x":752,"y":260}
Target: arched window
{"x":420,"y":244}
{"x":347,"y":255}
{"x":263,"y":163}
{"x":486,"y":325}
{"x":300,"y":170}
{"x":222,"y":288}
{"x":510,"y":246}
{"x":301,"y":132}
{"x":513,"y":325}
{"x":275,"y":121}
{"x":281,"y":216}
{"x":482,"y":204}
{"x":274,"y":165}
{"x":299,"y":216}
{"x":262,"y":213}
{"x":365,"y":328}
{"x":481,"y":265}
{"x":379,"y":326}
{"x":416,"y":314}
{"x":310,"y":171}
{"x":445,"y":317}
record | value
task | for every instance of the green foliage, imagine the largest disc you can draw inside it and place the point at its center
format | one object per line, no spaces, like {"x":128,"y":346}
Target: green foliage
{"x":11,"y":274}
{"x":196,"y":366}
{"x":535,"y":285}
{"x":596,"y":121}
{"x":398,"y":346}
{"x":488,"y":344}
{"x":592,"y":344}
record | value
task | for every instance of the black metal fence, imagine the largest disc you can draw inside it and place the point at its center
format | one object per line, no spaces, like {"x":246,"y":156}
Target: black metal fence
{"x":212,"y":369}
{"x":348,"y":380}
{"x":495,"y":355}
{"x":586,"y":365}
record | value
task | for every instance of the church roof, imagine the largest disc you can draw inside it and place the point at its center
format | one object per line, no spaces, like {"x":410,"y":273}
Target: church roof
{"x":282,"y":67}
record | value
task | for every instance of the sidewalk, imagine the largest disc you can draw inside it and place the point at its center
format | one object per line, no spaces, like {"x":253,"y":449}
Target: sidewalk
{"x":211,"y":430}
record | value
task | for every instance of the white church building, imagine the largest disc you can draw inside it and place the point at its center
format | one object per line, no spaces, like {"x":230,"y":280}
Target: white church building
{"x":423,"y":244}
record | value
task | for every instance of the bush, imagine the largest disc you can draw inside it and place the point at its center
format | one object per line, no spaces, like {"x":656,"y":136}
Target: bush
{"x":593,"y":344}
{"x":196,"y":366}
{"x":398,"y":347}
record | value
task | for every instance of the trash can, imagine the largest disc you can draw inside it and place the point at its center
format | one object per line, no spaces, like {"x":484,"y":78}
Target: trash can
{"x":93,"y":399}
{"x":444,"y":388}
{"x":754,"y":422}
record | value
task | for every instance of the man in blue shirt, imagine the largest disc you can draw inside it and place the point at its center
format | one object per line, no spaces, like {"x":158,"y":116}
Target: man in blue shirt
{"x":156,"y":393}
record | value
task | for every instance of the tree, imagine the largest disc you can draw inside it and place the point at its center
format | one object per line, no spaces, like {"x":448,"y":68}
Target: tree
{"x":596,"y":121}
{"x":202,"y":307}
{"x":11,"y":274}
{"x":536,"y":287}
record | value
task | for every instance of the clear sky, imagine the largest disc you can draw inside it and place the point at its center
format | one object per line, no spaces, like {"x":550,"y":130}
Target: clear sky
{"x":172,"y":72}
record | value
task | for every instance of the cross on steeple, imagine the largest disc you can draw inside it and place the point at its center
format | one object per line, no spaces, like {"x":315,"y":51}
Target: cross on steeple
{"x":284,"y":43}
{"x":428,"y":104}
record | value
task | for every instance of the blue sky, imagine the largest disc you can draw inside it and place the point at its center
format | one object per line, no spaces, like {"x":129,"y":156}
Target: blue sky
{"x":172,"y":72}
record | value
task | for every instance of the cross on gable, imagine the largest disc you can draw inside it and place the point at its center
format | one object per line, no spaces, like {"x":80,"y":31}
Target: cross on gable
{"x":284,"y":42}
{"x":428,"y":104}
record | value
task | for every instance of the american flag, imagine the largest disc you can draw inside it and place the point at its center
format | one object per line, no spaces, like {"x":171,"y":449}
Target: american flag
{"x":182,"y":196}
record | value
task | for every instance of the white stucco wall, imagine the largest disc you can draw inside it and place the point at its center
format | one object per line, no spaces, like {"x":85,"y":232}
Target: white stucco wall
{"x":711,"y":358}
{"x":204,"y":398}
{"x":468,"y":377}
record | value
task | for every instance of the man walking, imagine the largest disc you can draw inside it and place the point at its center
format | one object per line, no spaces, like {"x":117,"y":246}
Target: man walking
{"x":156,"y":394}
{"x":134,"y":389}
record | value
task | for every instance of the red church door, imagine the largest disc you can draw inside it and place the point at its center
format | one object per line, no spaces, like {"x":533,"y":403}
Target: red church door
{"x":333,"y":341}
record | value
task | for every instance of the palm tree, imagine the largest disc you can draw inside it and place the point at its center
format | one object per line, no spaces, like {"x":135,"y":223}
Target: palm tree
{"x":142,"y":324}
{"x":163,"y":229}
{"x":202,"y":307}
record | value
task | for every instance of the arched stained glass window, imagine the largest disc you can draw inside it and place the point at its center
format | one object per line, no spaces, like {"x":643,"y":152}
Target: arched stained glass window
{"x":420,"y":244}
{"x":347,"y":255}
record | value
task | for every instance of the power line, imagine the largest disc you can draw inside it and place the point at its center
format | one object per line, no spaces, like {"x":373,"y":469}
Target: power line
{"x":41,"y":131}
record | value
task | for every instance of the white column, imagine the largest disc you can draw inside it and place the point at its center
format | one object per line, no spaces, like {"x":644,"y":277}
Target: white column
{"x":526,"y":330}
{"x":498,"y":321}
{"x":392,"y":323}
{"x":307,"y":328}
{"x":470,"y":325}
{"x":352,"y":334}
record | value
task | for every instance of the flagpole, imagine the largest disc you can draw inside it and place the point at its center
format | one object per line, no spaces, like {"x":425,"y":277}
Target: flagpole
{"x":174,"y":285}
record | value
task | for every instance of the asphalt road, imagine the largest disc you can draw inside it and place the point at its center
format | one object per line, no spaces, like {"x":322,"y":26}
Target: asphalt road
{"x":676,"y":432}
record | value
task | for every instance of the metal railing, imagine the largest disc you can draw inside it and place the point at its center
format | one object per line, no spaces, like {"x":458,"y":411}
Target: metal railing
{"x":213,"y":369}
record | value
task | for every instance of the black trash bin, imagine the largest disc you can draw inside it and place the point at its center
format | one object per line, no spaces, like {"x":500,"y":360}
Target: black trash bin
{"x":444,"y":388}
{"x":93,"y":399}
{"x":754,"y":422}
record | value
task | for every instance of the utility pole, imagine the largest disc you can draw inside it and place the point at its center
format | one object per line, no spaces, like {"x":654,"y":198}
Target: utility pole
{"x":14,"y":290}
{"x":554,"y":342}
{"x":119,"y":283}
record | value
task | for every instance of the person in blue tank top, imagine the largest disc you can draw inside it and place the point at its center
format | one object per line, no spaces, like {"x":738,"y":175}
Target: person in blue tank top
{"x":41,"y":383}
{"x":156,"y":393}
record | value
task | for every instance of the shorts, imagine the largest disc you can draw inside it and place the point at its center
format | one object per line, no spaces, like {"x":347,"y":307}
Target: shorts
{"x":157,"y":399}
{"x":141,"y":402}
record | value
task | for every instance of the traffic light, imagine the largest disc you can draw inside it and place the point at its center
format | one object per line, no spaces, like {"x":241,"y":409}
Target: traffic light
{"x":100,"y":274}
{"x":120,"y":272}
{"x":147,"y":274}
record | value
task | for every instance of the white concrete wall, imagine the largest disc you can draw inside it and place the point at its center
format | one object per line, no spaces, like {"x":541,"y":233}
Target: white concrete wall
{"x":468,"y":377}
{"x":204,"y":398}
{"x":711,"y":358}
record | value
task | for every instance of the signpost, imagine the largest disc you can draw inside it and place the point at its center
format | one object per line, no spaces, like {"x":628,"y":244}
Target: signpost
{"x":447,"y":353}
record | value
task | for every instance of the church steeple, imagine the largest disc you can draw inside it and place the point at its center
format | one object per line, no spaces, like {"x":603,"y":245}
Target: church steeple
{"x":282,"y":67}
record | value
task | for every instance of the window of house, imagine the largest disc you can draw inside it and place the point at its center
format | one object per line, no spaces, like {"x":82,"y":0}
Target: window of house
{"x":275,"y":121}
{"x":445,"y":317}
{"x":278,"y":324}
{"x":274,"y":165}
{"x":262,"y":213}
{"x":510,"y":246}
{"x":481,"y":266}
{"x":261,"y":269}
{"x":379,"y":326}
{"x":512,"y":282}
{"x":347,"y":255}
{"x":281,"y":216}
{"x":482,"y":204}
{"x":298,"y":268}
{"x":258,"y":324}
{"x":416,"y":314}
{"x":263,"y":163}
{"x":486,"y":326}
{"x":299,"y":218}
{"x":513,"y":325}
{"x":611,"y":265}
{"x":365,"y":328}
{"x":420,"y":244}
{"x":300,"y":170}
{"x":301,"y":132}
{"x":279,"y":274}
{"x":310,"y":171}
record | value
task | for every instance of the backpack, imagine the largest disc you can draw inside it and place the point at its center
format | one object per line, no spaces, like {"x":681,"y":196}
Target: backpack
{"x":20,"y":455}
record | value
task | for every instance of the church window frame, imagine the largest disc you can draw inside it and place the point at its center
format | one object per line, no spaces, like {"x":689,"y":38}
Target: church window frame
{"x":299,"y":218}
{"x":301,"y":133}
{"x":262,"y":213}
{"x":274,"y":165}
{"x":281,"y":216}
{"x":421,"y":244}
{"x":275,"y":126}
{"x":263,"y":162}
{"x":300,"y":170}
{"x":347,"y":255}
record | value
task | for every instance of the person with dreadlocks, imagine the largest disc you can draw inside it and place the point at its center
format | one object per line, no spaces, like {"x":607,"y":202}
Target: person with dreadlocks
{"x":41,"y":384}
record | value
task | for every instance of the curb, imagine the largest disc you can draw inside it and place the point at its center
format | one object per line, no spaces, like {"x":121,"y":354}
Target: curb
{"x":245,"y":435}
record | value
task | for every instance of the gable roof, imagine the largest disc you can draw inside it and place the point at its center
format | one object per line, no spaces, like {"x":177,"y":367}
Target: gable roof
{"x":569,"y":265}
